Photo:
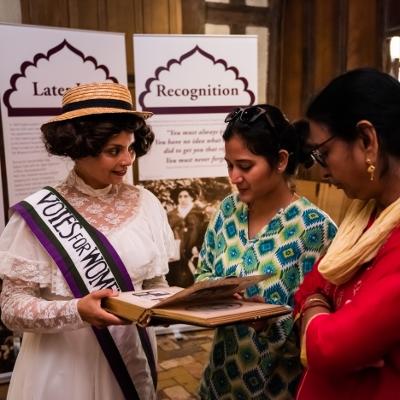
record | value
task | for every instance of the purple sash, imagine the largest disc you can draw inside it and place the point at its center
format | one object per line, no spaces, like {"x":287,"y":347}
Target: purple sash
{"x":88,"y":262}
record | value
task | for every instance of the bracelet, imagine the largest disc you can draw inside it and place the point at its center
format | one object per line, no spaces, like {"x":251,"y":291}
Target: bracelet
{"x":317,"y":299}
{"x":314,"y":302}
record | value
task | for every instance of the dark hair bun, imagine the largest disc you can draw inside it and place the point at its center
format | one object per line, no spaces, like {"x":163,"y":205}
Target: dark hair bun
{"x":302,"y":128}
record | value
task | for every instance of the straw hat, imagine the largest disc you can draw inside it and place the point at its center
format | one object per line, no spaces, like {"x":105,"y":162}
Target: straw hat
{"x":96,"y":98}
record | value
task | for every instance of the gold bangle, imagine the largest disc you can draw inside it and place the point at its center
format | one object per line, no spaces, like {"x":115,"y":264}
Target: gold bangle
{"x":314,"y":302}
{"x":317,"y":299}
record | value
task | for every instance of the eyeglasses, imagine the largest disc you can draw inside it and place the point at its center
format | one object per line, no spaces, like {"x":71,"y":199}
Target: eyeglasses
{"x":249,"y":115}
{"x":316,"y":154}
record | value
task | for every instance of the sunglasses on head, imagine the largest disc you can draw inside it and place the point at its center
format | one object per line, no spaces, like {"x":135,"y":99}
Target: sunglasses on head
{"x":249,"y":115}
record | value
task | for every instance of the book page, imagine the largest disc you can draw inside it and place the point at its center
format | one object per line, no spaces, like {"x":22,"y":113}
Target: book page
{"x":147,"y":299}
{"x":207,"y":290}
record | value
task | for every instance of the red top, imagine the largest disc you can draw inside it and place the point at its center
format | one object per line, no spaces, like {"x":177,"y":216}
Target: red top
{"x":354,"y":353}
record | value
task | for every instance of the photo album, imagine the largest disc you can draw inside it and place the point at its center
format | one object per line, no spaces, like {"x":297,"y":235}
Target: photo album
{"x":209,"y":303}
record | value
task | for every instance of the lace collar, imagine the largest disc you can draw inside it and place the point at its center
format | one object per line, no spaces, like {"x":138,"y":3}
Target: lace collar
{"x":78,"y":183}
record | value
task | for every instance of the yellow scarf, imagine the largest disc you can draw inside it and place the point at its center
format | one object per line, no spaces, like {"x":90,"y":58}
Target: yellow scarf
{"x":352,"y":247}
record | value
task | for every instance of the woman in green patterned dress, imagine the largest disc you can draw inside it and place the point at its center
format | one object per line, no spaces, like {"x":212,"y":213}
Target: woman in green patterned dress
{"x":265,"y":228}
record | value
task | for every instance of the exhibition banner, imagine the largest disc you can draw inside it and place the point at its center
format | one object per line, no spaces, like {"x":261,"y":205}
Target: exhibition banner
{"x":38,"y":65}
{"x":190,"y":83}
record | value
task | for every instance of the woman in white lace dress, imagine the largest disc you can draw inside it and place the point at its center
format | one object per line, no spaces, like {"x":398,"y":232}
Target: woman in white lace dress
{"x":60,"y":357}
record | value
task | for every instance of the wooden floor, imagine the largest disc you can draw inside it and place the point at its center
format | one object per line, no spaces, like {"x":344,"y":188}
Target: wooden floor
{"x":181,"y":358}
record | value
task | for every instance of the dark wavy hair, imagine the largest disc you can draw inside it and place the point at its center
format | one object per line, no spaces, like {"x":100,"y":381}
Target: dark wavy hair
{"x":267,"y":140}
{"x":177,"y":191}
{"x":87,"y":136}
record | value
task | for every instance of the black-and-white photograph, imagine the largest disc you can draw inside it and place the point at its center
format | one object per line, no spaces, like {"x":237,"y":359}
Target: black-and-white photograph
{"x":190,"y":204}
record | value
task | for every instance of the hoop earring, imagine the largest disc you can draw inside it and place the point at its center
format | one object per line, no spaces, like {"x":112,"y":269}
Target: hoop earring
{"x":370,"y":169}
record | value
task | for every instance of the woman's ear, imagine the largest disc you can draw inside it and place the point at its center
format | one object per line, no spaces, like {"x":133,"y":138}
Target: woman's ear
{"x":369,"y":138}
{"x":282,"y":161}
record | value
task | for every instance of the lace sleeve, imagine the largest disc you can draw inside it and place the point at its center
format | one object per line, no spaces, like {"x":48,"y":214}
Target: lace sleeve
{"x":22,"y":309}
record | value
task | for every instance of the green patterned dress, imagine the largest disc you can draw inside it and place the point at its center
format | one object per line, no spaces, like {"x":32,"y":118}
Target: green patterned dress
{"x":244,"y":364}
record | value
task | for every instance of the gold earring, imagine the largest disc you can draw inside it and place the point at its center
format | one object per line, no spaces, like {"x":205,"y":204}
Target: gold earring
{"x":370,"y":169}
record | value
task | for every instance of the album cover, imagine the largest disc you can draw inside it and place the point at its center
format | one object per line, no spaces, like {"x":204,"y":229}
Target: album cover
{"x":208,"y":303}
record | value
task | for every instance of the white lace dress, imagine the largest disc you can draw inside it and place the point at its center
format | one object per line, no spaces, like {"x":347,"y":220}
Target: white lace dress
{"x":60,"y":357}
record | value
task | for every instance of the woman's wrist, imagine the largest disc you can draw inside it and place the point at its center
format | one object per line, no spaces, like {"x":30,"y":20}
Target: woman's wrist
{"x":314,"y":305}
{"x":313,"y":301}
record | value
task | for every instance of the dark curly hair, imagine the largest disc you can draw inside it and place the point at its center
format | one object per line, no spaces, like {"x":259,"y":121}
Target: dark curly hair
{"x":267,"y":140}
{"x":177,"y":191}
{"x":87,"y":136}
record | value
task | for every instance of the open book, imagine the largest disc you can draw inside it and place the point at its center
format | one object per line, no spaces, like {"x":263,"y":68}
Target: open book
{"x":207,"y":303}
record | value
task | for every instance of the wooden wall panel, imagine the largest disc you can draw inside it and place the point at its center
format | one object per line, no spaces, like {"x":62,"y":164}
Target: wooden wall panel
{"x":175,"y":16}
{"x":120,"y":17}
{"x":138,"y":17}
{"x":237,"y":14}
{"x":193,"y":16}
{"x":291,"y":82}
{"x":276,"y":23}
{"x":141,"y":16}
{"x":363,"y":40}
{"x":85,"y":14}
{"x":156,"y":16}
{"x":327,"y":37}
{"x":323,"y":38}
{"x":391,"y":16}
{"x":45,"y":12}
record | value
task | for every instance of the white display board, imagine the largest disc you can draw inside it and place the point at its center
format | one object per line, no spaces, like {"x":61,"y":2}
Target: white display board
{"x":191,"y":82}
{"x":38,"y":65}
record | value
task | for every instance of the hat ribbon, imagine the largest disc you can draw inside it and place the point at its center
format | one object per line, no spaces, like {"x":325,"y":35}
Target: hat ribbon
{"x":94,"y":103}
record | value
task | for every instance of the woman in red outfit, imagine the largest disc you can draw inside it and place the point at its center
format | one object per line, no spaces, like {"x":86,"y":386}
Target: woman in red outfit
{"x":349,"y":306}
